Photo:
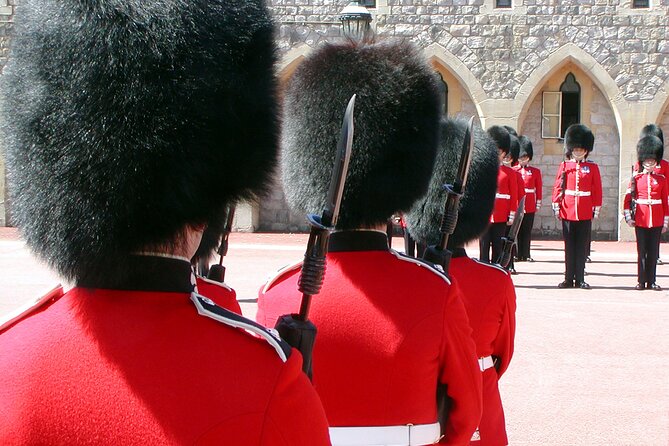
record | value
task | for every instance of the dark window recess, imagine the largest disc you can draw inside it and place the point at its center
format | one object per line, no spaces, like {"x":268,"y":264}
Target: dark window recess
{"x":443,"y":94}
{"x":571,"y":103}
{"x":368,"y":3}
{"x":502,"y":3}
{"x":640,"y":4}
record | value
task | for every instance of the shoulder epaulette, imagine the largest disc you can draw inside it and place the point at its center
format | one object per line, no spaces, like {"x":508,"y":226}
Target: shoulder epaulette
{"x":206,"y":307}
{"x":433,"y":268}
{"x":286,"y":269}
{"x":15,"y":316}
{"x":495,"y":266}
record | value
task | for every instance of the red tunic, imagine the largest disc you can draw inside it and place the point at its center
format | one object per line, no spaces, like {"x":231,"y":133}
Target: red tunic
{"x":490,"y":300}
{"x":583,"y":192}
{"x":220,"y":293}
{"x":651,"y":200}
{"x":532,"y":185}
{"x":111,"y":367}
{"x":389,"y":329}
{"x":506,"y":199}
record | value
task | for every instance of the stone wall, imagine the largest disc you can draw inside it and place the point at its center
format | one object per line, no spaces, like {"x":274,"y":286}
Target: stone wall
{"x":502,"y":47}
{"x":6,"y":16}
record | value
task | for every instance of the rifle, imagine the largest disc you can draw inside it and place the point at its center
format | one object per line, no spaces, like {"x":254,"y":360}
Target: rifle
{"x":633,"y":194}
{"x":439,"y":254}
{"x":217,"y":272}
{"x":297,"y":329}
{"x":510,"y":240}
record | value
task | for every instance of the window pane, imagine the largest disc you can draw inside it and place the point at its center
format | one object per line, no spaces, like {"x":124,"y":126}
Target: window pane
{"x":368,"y":3}
{"x":551,"y":103}
{"x":502,"y":3}
{"x":640,"y":4}
{"x":550,"y":127}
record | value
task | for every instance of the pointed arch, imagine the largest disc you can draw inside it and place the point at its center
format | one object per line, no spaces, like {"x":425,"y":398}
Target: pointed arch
{"x":660,"y":104}
{"x":460,"y":71}
{"x":557,"y":59}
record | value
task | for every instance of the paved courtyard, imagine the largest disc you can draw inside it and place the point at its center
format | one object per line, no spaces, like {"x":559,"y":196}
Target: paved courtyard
{"x":589,"y":367}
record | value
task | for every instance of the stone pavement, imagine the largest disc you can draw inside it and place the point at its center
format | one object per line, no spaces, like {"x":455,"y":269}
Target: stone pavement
{"x":588,"y":367}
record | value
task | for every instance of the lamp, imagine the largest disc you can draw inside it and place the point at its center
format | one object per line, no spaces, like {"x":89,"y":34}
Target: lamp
{"x":355,"y":20}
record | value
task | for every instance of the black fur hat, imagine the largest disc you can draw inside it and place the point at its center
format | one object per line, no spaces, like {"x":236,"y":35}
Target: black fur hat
{"x":476,"y":205}
{"x":127,"y":120}
{"x":396,"y":129}
{"x":578,"y":135}
{"x":654,"y":130}
{"x":511,"y":130}
{"x":514,"y":148}
{"x":525,"y":147}
{"x":501,"y":136}
{"x":649,"y":147}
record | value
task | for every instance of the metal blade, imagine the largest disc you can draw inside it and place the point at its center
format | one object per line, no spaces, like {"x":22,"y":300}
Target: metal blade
{"x":344,"y":145}
{"x":465,"y":158}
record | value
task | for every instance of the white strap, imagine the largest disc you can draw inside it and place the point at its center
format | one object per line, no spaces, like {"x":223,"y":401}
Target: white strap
{"x":530,"y":191}
{"x":577,"y":193}
{"x":486,"y":363}
{"x":648,"y":201}
{"x":503,"y":196}
{"x":408,"y":435}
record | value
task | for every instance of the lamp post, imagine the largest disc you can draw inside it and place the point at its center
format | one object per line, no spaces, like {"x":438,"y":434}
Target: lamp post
{"x":356,"y":20}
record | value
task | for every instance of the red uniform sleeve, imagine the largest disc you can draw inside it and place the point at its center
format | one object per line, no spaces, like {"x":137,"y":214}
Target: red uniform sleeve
{"x":521,"y":185}
{"x":665,"y":197}
{"x":596,"y":186}
{"x":627,"y":201}
{"x":460,"y":372}
{"x":557,"y":186}
{"x":538,"y":184}
{"x":294,"y":414}
{"x":504,"y":342}
{"x":514,"y":191}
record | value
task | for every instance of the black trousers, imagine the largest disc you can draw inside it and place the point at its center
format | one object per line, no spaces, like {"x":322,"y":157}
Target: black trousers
{"x":493,"y":236}
{"x":575,"y":235}
{"x":525,"y":236}
{"x":648,"y":250}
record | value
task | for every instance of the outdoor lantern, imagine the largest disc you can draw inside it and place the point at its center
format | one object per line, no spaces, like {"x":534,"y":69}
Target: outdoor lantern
{"x":355,"y":20}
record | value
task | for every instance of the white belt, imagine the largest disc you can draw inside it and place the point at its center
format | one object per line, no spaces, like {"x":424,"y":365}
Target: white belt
{"x":409,"y":435}
{"x":648,"y":201}
{"x":486,"y":363}
{"x":503,"y":196}
{"x":577,"y":193}
{"x":530,"y":191}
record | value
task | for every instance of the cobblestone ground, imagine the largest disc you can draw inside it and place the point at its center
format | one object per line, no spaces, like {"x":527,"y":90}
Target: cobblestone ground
{"x":589,"y":365}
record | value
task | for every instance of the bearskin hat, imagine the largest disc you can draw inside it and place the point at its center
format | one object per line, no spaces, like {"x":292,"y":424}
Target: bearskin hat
{"x":578,"y":135}
{"x":501,"y":136}
{"x":654,"y":130}
{"x":127,"y":120}
{"x":525,"y":147}
{"x":649,"y":147}
{"x":511,"y":130}
{"x":424,"y":219}
{"x":396,"y":124}
{"x":514,"y":148}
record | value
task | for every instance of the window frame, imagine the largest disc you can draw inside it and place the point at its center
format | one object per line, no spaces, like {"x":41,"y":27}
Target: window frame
{"x":546,"y":116}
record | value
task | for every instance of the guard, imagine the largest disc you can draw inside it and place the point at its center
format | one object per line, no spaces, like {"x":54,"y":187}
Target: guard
{"x":577,"y":199}
{"x":130,"y":126}
{"x":532,"y":182}
{"x":646,"y":209}
{"x":511,"y":160}
{"x":390,"y":327}
{"x":506,"y":199}
{"x":487,"y":290}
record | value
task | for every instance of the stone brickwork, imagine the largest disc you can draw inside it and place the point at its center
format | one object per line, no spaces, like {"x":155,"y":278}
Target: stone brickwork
{"x":502,"y":48}
{"x":6,"y":16}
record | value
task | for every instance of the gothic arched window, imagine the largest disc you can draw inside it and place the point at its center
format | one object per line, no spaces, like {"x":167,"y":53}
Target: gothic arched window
{"x":571,"y":103}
